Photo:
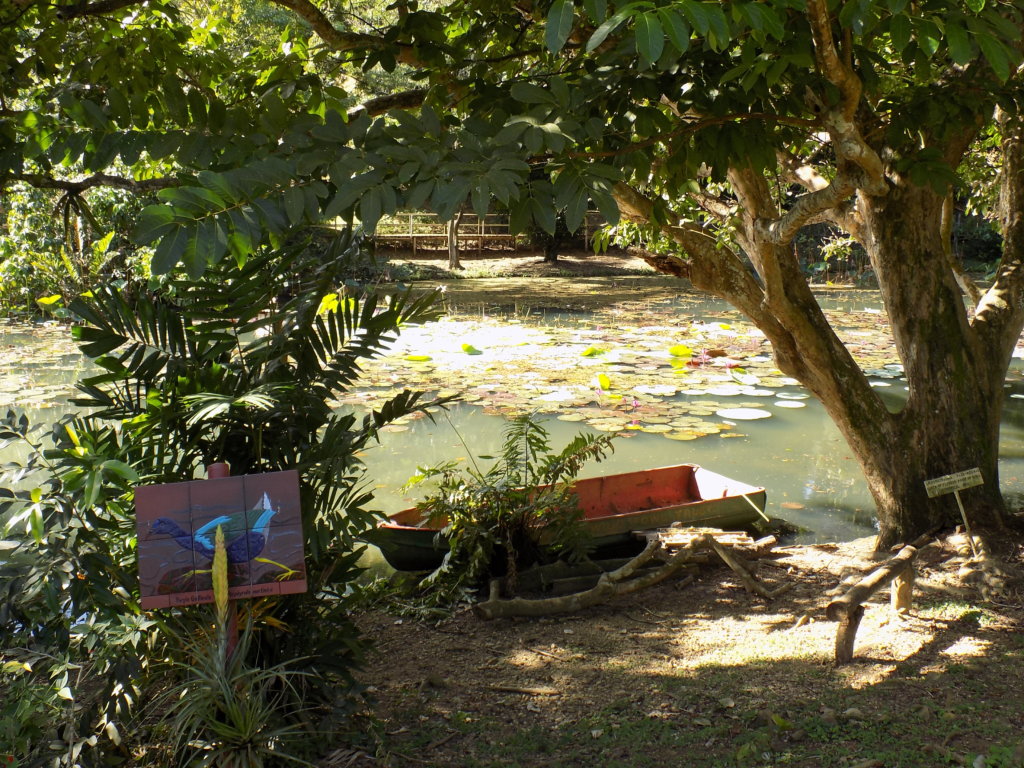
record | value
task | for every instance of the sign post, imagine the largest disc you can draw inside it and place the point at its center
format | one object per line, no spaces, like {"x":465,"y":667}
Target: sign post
{"x":954,"y":484}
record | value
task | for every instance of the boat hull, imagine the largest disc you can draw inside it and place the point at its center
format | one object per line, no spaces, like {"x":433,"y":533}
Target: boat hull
{"x":614,"y":506}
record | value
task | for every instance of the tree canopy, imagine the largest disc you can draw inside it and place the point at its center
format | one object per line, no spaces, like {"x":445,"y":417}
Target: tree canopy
{"x":720,"y":129}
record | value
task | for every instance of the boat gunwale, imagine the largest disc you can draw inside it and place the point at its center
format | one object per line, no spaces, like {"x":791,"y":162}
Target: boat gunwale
{"x":746,"y":490}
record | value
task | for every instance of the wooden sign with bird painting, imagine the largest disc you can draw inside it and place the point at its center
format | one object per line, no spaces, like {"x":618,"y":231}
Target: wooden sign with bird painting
{"x":262,"y":525}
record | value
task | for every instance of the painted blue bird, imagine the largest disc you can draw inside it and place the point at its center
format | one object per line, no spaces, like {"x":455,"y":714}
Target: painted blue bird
{"x":241,"y":549}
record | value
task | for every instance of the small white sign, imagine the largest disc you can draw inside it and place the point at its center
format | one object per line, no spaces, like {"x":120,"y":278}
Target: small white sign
{"x":955,"y":482}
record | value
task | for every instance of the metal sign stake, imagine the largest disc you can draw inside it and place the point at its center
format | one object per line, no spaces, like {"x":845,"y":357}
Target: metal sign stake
{"x":955,"y":483}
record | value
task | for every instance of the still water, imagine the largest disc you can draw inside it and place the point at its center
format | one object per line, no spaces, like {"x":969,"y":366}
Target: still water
{"x":798,"y":454}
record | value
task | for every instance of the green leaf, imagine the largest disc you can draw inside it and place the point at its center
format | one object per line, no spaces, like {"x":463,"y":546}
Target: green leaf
{"x":370,"y":208}
{"x":559,"y":25}
{"x":469,"y":349}
{"x":680,"y":350}
{"x":170,"y":251}
{"x":294,"y":204}
{"x":576,"y":209}
{"x":996,"y":55}
{"x":597,"y":10}
{"x":602,"y":32}
{"x":764,"y":19}
{"x":154,"y":222}
{"x":528,"y":93}
{"x":36,"y":524}
{"x":650,"y":38}
{"x":208,"y":248}
{"x":604,"y":382}
{"x":592,"y":352}
{"x":121,"y":469}
{"x":480,"y":197}
{"x":676,"y":28}
{"x":698,"y":16}
{"x":975,"y":5}
{"x":899,"y":32}
{"x":959,"y":45}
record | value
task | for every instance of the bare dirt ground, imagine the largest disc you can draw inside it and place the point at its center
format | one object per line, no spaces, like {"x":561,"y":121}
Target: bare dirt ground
{"x":709,"y":675}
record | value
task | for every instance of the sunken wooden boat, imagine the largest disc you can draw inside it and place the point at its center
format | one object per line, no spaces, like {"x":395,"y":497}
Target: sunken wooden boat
{"x":613,"y":506}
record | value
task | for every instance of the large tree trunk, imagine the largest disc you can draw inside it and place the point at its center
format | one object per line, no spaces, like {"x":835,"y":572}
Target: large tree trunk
{"x":951,"y":418}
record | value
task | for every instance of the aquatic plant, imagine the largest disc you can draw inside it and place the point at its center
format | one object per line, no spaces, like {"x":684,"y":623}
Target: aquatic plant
{"x":520,"y":510}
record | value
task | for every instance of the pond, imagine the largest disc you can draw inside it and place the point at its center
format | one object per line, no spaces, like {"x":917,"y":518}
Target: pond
{"x":678,"y":375}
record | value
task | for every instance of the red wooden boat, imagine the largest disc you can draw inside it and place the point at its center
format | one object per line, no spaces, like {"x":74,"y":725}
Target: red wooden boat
{"x":613,"y":507}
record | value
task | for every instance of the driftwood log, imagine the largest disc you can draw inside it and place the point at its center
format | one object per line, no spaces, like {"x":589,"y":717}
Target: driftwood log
{"x":736,"y":562}
{"x":675,"y":549}
{"x":848,"y":610}
{"x":610,"y":584}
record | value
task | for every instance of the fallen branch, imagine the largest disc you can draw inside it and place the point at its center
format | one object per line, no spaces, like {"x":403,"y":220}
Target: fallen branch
{"x":611,"y":584}
{"x":529,"y":691}
{"x":848,"y":610}
{"x":749,"y":580}
{"x":870,"y":584}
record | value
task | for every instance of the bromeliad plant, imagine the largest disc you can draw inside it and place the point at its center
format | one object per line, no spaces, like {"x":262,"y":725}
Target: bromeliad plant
{"x":520,"y":511}
{"x":228,"y":712}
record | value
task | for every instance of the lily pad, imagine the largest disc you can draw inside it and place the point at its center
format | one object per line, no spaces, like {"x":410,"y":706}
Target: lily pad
{"x":656,"y":429}
{"x":744,"y":414}
{"x":790,"y":404}
{"x":726,"y":390}
{"x":681,"y":435}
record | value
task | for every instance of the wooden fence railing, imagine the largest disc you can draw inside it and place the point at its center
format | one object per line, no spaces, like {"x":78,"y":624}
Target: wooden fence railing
{"x":418,"y":230}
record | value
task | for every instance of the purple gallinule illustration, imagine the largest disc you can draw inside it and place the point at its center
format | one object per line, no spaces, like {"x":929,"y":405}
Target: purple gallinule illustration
{"x":253,"y":526}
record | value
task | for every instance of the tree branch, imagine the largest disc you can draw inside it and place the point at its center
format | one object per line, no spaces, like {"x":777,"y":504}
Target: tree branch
{"x":341,"y":41}
{"x":850,"y":146}
{"x":41,"y":181}
{"x":381,"y":104}
{"x":967,"y":285}
{"x":710,"y":267}
{"x":1000,"y":313}
{"x":95,"y":9}
{"x":797,"y":172}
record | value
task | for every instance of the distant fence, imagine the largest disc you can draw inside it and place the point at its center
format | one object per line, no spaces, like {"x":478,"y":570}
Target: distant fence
{"x":425,"y":231}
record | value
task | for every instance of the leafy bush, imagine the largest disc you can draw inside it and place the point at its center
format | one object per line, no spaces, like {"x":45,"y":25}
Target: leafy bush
{"x":241,"y":366}
{"x":519,"y":511}
{"x":55,"y":247}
